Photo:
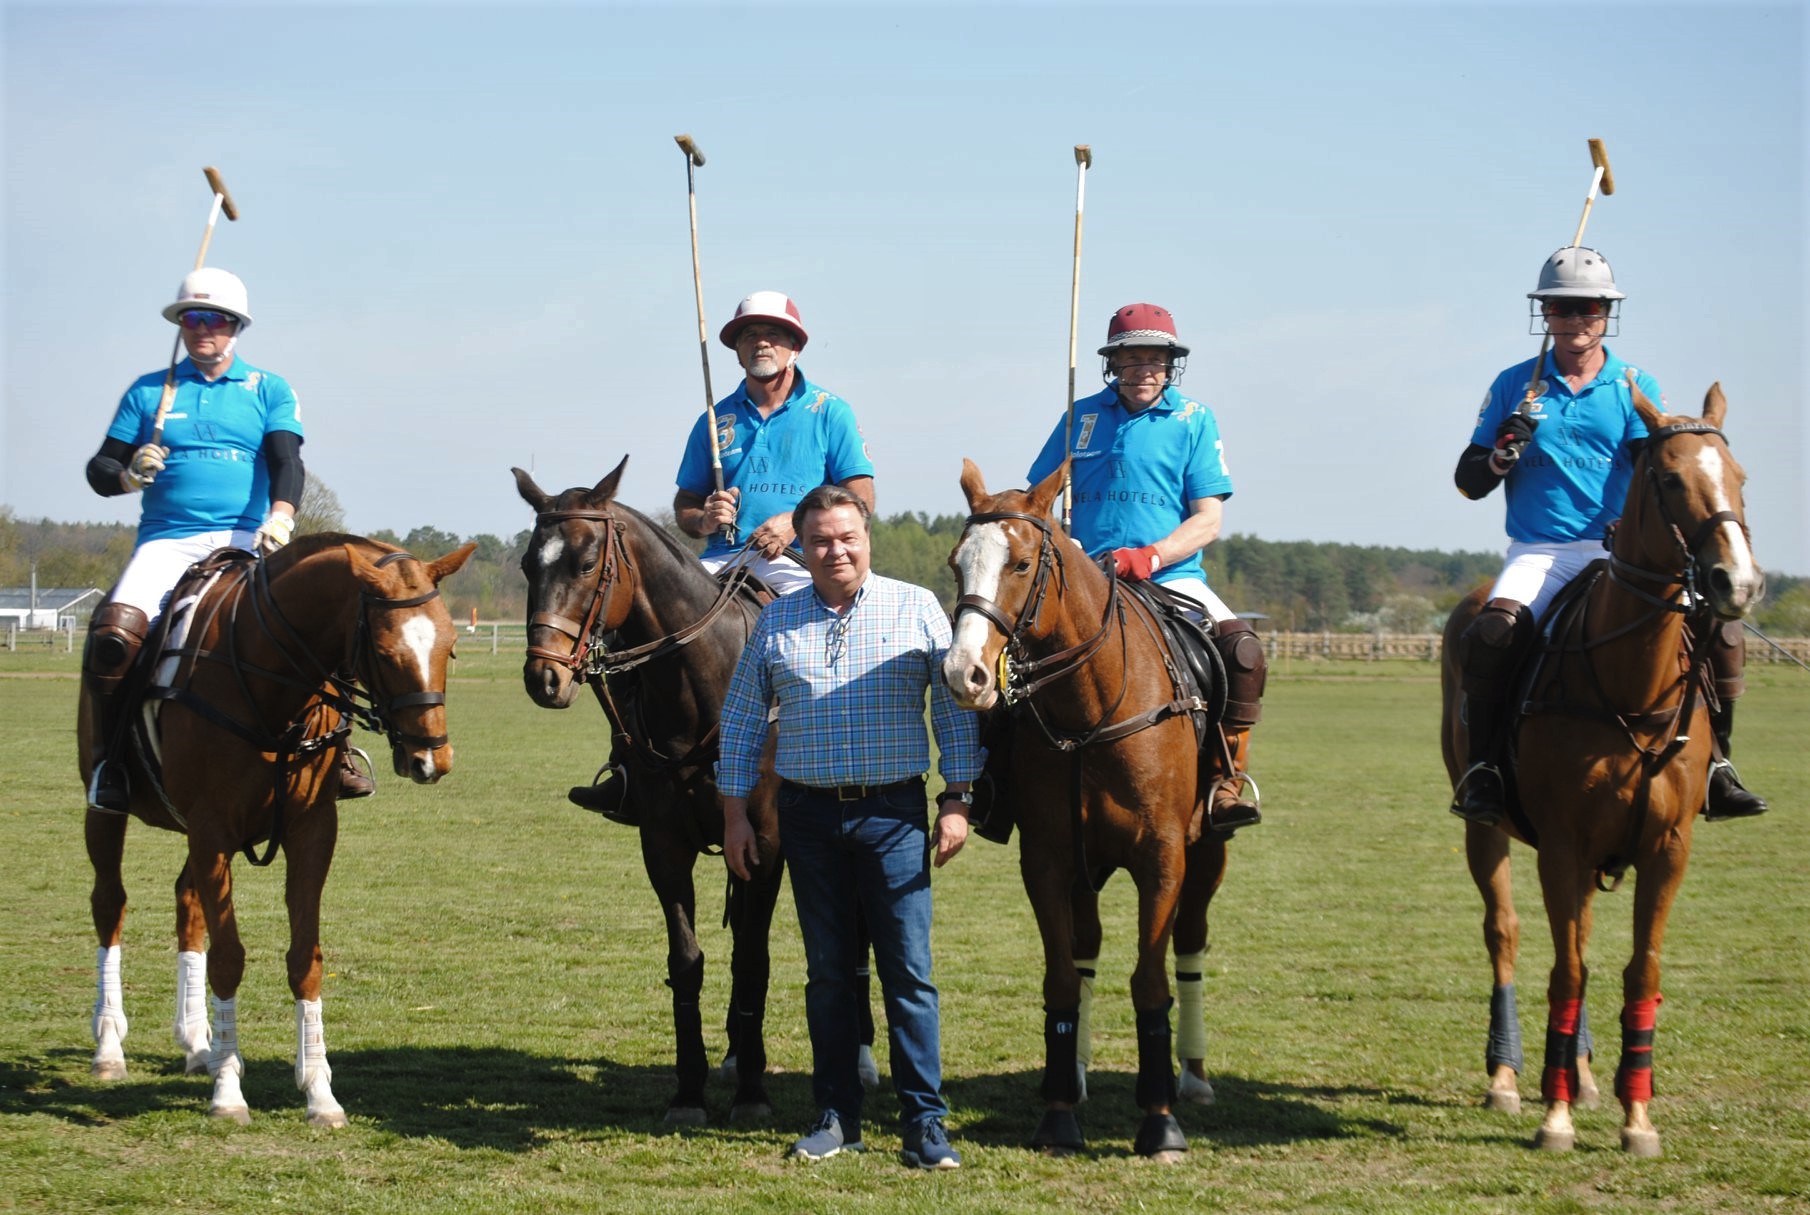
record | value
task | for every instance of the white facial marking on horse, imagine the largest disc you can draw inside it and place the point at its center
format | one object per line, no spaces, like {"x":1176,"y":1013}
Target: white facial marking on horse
{"x":418,"y":634}
{"x":1709,"y":463}
{"x":981,"y":559}
{"x":550,"y":551}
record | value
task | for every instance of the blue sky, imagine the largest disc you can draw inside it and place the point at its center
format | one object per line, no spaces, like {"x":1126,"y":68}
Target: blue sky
{"x":465,"y":237}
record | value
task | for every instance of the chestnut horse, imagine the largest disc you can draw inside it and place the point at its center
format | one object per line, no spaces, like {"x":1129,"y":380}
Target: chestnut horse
{"x":255,"y":704}
{"x":1098,"y":745}
{"x":600,"y":574}
{"x":1612,"y":756}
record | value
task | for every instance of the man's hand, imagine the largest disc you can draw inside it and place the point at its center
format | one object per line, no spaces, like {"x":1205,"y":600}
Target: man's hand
{"x":741,"y":851}
{"x":273,"y":533}
{"x":771,"y":537}
{"x":719,"y":509}
{"x":1511,"y":437}
{"x":146,"y":463}
{"x":1136,"y":564}
{"x":951,"y":831}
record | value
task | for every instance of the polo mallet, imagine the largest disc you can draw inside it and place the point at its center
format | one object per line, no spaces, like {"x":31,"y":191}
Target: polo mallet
{"x":222,"y":202}
{"x":1600,"y":176}
{"x":694,"y":160}
{"x":1084,"y":159}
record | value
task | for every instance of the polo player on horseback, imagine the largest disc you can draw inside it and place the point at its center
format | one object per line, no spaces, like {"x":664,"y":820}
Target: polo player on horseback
{"x":1150,"y":482}
{"x":1560,"y":441}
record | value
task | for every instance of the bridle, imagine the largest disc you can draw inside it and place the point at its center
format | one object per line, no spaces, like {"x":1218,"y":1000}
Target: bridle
{"x":1021,"y":676}
{"x":1684,"y":577}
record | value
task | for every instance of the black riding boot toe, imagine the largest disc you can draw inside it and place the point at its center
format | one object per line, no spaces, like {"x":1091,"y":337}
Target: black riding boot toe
{"x":1480,"y":797}
{"x":1728,"y":797}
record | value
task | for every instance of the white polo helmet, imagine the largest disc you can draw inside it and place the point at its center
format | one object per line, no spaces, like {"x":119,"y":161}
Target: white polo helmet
{"x":771,"y":307}
{"x":1576,"y":273}
{"x":211,"y":287}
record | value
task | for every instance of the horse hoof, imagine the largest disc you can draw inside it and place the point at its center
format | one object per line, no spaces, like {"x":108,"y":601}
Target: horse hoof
{"x":1196,"y":1090}
{"x":1644,"y":1144}
{"x":1167,"y":1157}
{"x":750,"y":1111}
{"x":684,"y":1115}
{"x":727,"y":1071}
{"x":236,"y":1113}
{"x":108,"y":1069}
{"x":1502,"y":1100}
{"x":329,"y":1120}
{"x":1059,"y":1134}
{"x":1554,"y":1141}
{"x":868,"y":1070}
{"x":1160,"y":1138}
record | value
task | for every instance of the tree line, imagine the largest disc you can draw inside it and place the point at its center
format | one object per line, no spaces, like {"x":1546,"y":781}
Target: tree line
{"x":1299,"y":585}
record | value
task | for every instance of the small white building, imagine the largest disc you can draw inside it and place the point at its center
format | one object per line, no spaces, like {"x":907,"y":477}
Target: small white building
{"x":26,"y":607}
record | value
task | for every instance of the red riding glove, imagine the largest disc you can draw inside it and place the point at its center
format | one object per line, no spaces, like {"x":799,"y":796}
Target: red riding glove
{"x":1136,"y":564}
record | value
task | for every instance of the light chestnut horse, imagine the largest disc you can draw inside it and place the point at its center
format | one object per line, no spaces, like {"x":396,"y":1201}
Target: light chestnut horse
{"x":1613,"y":756}
{"x":254,"y":708}
{"x":1106,"y":774}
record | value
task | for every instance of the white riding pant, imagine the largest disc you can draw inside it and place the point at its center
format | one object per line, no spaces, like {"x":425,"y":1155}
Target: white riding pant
{"x":1211,"y":604}
{"x":783,"y":574}
{"x":157,"y":566}
{"x":1537,"y":572}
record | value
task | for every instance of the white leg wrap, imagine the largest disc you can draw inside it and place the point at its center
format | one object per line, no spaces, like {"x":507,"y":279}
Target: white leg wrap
{"x":1191,"y":1006}
{"x":191,"y":1009}
{"x":1084,"y":1022}
{"x":313,"y":1074}
{"x":224,"y":1063}
{"x":109,"y":1021}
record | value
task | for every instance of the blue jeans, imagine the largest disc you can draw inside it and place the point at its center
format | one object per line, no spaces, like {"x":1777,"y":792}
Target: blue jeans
{"x":873,"y":853}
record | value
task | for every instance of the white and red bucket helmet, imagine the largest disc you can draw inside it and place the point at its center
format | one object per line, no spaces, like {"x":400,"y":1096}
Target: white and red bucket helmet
{"x":1142,"y":325}
{"x":769,"y":307}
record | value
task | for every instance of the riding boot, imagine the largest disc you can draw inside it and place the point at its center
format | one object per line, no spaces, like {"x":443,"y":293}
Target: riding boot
{"x":1488,"y":653}
{"x":1234,"y":799}
{"x":353,"y":784}
{"x":607,"y":794}
{"x":990,"y":817}
{"x":115,"y":636}
{"x":1727,"y":797}
{"x":1235,"y":796}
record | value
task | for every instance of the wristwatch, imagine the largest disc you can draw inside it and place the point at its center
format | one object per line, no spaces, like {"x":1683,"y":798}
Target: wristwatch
{"x":966,"y":797}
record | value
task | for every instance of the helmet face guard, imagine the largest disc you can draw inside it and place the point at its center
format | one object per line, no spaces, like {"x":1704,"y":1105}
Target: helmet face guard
{"x":1175,"y":356}
{"x":1540,"y":325}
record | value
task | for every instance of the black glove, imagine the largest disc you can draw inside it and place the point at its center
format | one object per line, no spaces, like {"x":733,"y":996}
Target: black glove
{"x":1511,"y":437}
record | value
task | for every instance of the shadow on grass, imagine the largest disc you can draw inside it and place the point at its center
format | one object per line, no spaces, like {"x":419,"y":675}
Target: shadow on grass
{"x":508,"y":1100}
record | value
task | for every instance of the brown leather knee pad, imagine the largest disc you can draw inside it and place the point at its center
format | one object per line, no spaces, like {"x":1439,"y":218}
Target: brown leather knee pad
{"x":115,"y":636}
{"x":1491,"y":643}
{"x":1246,"y":672}
{"x":1727,"y":643}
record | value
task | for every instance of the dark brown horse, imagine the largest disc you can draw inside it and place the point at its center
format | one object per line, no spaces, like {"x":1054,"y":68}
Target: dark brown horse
{"x":617,"y":603}
{"x":1613,"y":755}
{"x":1105,"y":774}
{"x":253,"y":710}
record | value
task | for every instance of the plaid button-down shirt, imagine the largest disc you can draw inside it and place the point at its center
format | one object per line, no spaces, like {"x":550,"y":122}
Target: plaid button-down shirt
{"x":850,"y":687}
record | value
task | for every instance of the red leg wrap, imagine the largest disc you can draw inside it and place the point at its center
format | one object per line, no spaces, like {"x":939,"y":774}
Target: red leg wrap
{"x":1634,"y":1078}
{"x":1559,"y":1082}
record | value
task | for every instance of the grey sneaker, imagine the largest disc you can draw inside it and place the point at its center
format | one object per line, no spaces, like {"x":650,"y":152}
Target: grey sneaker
{"x":927,"y":1146}
{"x":826,"y":1137}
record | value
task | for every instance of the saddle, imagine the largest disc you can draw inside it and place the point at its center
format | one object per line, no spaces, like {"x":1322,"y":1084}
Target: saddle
{"x":1195,"y":666}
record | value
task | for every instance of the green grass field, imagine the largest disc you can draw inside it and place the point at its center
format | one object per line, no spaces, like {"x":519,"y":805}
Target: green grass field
{"x":498,"y":1025}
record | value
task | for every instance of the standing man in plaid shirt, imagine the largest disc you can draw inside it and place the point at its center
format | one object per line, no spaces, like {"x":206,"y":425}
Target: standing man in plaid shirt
{"x":849,"y":661}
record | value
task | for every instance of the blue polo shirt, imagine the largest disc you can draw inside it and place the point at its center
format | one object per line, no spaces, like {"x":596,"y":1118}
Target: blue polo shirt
{"x":812,"y":439}
{"x":215,"y":477}
{"x":1135,"y":473}
{"x":1572,"y":479}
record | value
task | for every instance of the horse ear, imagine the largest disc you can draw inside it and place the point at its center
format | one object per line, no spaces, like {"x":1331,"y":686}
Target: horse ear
{"x":450,"y":563}
{"x":531,"y":493}
{"x":973,"y":485}
{"x":1715,"y":405}
{"x":1649,"y":412}
{"x":604,"y":492}
{"x":1043,"y":494}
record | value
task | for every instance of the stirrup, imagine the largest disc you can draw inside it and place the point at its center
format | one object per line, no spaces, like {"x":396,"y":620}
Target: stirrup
{"x":354,"y":784}
{"x":1736,"y":801}
{"x":1483,"y":816}
{"x":95,"y":791}
{"x":606,"y":797}
{"x":1240,"y":811}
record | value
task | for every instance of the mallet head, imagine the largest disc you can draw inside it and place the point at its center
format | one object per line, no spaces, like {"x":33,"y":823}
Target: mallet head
{"x":1599,"y":156}
{"x":219,"y":187}
{"x":1084,"y":155}
{"x":690,"y":149}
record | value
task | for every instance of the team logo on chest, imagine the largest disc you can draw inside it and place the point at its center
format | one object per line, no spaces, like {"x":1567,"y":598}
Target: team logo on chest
{"x":1088,"y":421}
{"x":725,"y":431}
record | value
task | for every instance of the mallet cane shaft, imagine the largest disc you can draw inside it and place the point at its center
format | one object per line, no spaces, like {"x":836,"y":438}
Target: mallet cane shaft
{"x":222,"y":202}
{"x":1084,"y":159}
{"x":1600,"y":177}
{"x":694,"y":160}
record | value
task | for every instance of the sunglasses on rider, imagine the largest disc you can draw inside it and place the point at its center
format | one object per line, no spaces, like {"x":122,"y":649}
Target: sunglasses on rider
{"x":206,"y":318}
{"x":1575,"y":307}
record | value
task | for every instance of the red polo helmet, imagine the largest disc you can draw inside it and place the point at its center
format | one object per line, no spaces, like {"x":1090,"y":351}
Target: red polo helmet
{"x":770,"y":307}
{"x":1142,"y":325}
